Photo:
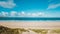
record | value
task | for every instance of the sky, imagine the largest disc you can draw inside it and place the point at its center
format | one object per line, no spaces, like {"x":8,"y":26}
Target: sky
{"x":30,"y":8}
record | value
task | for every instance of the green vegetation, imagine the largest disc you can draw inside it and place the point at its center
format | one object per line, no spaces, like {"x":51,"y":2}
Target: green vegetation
{"x":56,"y":31}
{"x":6,"y":30}
{"x":40,"y":31}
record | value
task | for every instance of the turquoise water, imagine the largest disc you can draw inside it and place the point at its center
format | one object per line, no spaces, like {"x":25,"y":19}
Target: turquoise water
{"x":30,"y":18}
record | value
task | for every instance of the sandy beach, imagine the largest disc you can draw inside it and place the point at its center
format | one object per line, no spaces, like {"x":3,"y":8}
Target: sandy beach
{"x":31,"y":24}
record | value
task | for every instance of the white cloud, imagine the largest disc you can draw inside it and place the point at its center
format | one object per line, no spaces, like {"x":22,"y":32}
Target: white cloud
{"x":23,"y":12}
{"x":4,"y":13}
{"x":13,"y":13}
{"x":28,"y":14}
{"x":36,"y":14}
{"x":53,"y":6}
{"x":33,"y":14}
{"x":8,"y":4}
{"x":40,"y":14}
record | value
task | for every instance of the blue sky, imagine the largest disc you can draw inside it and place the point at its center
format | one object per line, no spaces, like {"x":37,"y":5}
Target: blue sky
{"x":30,"y":8}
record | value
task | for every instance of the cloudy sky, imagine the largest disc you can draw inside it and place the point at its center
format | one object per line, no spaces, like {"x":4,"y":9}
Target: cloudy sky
{"x":30,"y":8}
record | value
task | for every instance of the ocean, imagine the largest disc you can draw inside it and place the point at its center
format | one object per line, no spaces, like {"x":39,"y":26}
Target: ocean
{"x":30,"y":18}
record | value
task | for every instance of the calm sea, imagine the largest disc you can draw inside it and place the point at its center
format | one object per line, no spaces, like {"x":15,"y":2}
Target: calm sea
{"x":30,"y":18}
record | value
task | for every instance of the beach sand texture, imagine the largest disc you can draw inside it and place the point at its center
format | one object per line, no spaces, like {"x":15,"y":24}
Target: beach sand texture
{"x":31,"y":24}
